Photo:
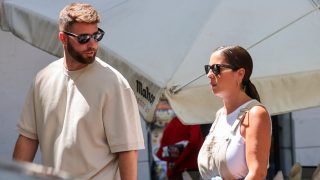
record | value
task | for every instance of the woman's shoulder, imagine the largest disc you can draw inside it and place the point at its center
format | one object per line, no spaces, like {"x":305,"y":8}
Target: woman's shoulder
{"x":255,"y":107}
{"x":258,"y":109}
{"x":257,"y":115}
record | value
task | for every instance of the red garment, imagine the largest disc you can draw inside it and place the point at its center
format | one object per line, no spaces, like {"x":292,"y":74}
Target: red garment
{"x":176,"y":132}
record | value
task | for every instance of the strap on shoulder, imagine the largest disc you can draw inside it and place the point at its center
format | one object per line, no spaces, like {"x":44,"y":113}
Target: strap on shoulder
{"x":243,"y":113}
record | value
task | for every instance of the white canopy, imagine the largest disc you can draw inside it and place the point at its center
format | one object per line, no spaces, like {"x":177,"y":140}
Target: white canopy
{"x":161,"y":47}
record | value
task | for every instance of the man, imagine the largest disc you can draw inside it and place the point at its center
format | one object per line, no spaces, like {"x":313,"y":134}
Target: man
{"x":79,"y":110}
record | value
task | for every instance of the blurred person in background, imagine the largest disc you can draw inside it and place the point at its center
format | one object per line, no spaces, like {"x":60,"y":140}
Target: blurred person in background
{"x":179,"y":147}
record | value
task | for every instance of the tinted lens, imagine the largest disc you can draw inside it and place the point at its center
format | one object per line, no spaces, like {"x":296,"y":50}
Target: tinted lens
{"x":83,"y":38}
{"x":215,"y":69}
{"x":98,"y":36}
{"x":206,"y":68}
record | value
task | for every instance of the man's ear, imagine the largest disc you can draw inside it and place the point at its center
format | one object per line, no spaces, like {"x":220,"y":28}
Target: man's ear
{"x":62,"y":37}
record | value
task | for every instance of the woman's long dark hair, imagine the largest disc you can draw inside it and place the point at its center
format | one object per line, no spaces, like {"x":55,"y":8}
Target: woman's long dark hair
{"x":238,"y":57}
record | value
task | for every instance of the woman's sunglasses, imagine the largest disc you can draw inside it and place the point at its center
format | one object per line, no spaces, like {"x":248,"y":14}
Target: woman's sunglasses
{"x":84,"y":38}
{"x":216,"y":68}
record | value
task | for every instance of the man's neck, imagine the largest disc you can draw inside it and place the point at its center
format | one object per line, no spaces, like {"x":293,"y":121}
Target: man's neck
{"x":72,"y":65}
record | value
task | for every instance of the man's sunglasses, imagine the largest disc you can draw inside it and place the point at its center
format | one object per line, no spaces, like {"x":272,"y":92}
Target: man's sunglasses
{"x":216,"y":68}
{"x":84,"y":38}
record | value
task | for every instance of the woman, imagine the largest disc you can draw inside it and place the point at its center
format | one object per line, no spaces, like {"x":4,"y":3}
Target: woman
{"x":238,"y":144}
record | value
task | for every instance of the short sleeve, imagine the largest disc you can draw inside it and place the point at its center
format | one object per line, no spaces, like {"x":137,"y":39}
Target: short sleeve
{"x":27,"y":123}
{"x":122,"y":120}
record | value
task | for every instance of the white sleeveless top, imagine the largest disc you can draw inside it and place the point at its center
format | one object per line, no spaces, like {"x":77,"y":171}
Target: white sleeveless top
{"x":235,"y":155}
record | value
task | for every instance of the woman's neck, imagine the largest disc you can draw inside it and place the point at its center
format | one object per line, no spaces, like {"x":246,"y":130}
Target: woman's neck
{"x":234,"y":101}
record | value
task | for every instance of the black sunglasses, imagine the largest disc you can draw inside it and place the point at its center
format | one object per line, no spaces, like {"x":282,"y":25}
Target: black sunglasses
{"x":84,"y":38}
{"x":216,"y":68}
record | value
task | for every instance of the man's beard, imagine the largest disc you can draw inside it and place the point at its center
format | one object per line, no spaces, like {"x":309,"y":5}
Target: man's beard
{"x":80,"y":58}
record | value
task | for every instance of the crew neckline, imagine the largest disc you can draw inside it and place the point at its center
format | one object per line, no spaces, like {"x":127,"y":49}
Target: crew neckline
{"x":76,"y":73}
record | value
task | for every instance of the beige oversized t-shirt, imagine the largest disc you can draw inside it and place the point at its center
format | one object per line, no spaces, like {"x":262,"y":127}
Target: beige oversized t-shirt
{"x":81,"y":118}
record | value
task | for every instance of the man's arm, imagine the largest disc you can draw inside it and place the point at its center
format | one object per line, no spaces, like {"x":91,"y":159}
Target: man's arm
{"x":128,"y":165}
{"x":25,"y":149}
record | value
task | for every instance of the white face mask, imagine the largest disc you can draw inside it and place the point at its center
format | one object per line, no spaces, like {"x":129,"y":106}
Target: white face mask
{"x":164,"y":114}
